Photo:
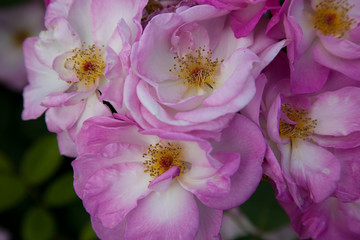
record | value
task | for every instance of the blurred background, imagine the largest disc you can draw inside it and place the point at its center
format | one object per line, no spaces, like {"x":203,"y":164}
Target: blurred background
{"x":37,"y":200}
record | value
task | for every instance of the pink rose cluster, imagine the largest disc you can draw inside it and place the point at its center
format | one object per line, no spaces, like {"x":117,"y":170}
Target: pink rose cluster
{"x":174,"y":110}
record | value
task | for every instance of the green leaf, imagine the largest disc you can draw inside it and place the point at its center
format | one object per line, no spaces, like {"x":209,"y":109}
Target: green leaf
{"x":38,"y":224}
{"x":87,"y":233}
{"x":12,"y":191}
{"x":41,"y":160}
{"x":263,"y":210}
{"x":61,"y":191}
{"x":5,"y":164}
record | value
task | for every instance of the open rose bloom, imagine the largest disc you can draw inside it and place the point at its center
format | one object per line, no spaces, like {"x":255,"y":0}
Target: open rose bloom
{"x":71,"y":62}
{"x":313,"y":153}
{"x":174,"y":110}
{"x":191,"y":73}
{"x":152,"y":184}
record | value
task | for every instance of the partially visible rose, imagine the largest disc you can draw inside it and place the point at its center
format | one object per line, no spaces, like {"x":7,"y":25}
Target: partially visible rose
{"x":324,"y":35}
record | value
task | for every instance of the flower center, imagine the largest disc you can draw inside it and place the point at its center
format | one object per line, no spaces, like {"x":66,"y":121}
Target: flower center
{"x":87,"y":64}
{"x":330,"y":17}
{"x":197,"y":69}
{"x":161,"y":157}
{"x":304,"y":127}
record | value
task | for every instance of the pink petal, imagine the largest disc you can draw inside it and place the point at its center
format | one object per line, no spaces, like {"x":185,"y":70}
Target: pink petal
{"x":348,"y":186}
{"x":63,"y":118}
{"x":245,"y":138}
{"x":155,"y":48}
{"x":340,"y":47}
{"x":57,"y":40}
{"x":111,"y":193}
{"x":42,"y":82}
{"x":252,"y":110}
{"x":212,"y":188}
{"x":86,"y":165}
{"x":349,"y":141}
{"x":55,"y":10}
{"x":244,"y":20}
{"x":109,"y":12}
{"x":163,"y":182}
{"x":210,"y":222}
{"x":170,"y":215}
{"x":101,"y":131}
{"x":311,"y":80}
{"x":234,"y":73}
{"x":349,"y":67}
{"x":102,"y":232}
{"x":67,"y":146}
{"x":337,"y":113}
{"x":273,"y":120}
{"x":79,"y":17}
{"x":314,"y":168}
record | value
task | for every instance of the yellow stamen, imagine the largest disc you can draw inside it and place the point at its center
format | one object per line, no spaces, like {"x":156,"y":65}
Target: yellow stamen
{"x":304,"y":127}
{"x":330,"y":17}
{"x":197,"y":69}
{"x":88,"y":65}
{"x":161,"y":157}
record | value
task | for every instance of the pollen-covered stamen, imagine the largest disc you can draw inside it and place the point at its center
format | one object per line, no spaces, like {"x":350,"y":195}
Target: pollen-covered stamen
{"x":161,"y":157}
{"x":87,"y":64}
{"x":331,"y":17}
{"x":304,"y":127}
{"x":197,"y":69}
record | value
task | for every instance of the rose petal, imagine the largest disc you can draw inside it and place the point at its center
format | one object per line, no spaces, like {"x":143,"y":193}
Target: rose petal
{"x":170,"y":215}
{"x":337,"y":113}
